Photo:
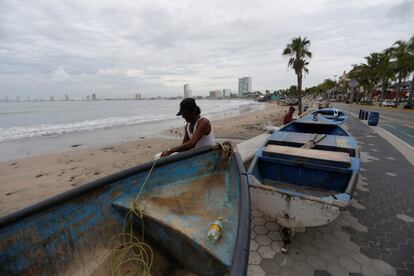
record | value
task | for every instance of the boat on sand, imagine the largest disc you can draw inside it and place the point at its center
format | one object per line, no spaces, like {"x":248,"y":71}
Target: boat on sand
{"x":304,"y":174}
{"x":169,"y":203}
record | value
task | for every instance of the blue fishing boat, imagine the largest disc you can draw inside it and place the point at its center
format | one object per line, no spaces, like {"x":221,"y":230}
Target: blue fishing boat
{"x":173,"y":201}
{"x":304,"y":173}
{"x":332,"y":114}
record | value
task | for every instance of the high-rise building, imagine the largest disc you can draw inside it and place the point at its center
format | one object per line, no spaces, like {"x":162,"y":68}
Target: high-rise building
{"x":245,"y":85}
{"x":138,"y":96}
{"x":66,"y":97}
{"x":7,"y":99}
{"x":52,"y":98}
{"x":93,"y":97}
{"x":226,"y":93}
{"x":187,"y":91}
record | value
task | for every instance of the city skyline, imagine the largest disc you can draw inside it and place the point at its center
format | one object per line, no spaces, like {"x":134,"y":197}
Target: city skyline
{"x":116,"y":49}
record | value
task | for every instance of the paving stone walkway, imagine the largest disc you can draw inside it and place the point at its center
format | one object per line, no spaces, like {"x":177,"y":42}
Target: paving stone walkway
{"x":374,"y":236}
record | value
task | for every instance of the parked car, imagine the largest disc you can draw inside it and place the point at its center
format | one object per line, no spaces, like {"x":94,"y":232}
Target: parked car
{"x":409,"y":105}
{"x":388,"y":103}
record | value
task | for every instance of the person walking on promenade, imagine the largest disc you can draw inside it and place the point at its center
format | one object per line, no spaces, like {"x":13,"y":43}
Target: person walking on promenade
{"x":289,"y":116}
{"x":198,"y":130}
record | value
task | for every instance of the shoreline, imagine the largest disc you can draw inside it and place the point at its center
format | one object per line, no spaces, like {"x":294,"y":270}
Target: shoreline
{"x":35,"y":178}
{"x":49,"y":144}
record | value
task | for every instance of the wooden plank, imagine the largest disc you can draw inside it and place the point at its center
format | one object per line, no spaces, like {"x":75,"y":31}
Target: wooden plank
{"x":334,"y":156}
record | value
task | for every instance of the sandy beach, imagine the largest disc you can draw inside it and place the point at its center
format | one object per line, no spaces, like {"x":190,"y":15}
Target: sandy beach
{"x":26,"y":181}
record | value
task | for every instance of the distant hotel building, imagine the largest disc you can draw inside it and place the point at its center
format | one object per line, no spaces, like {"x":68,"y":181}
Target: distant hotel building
{"x":226,"y":93}
{"x":66,"y":97}
{"x":245,"y":85}
{"x":93,"y":97}
{"x":138,"y":96}
{"x":216,"y":94}
{"x":187,"y":91}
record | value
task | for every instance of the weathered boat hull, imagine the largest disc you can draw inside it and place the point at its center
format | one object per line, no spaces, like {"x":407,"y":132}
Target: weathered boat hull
{"x":292,"y":211}
{"x":70,"y":233}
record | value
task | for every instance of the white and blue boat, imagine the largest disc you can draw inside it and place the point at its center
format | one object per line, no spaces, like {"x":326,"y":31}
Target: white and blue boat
{"x":304,"y":173}
{"x":333,"y":114}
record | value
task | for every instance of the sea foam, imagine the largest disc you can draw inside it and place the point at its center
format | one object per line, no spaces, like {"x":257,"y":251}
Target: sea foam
{"x":55,"y":129}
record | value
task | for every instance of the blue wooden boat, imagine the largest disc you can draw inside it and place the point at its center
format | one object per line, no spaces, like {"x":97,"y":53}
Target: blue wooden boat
{"x":304,"y":173}
{"x":332,"y":114}
{"x":70,"y":233}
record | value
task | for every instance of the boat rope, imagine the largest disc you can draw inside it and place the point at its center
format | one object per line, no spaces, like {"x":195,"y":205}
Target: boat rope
{"x":314,"y":141}
{"x":226,"y":148}
{"x":131,"y":249}
{"x":146,"y":179}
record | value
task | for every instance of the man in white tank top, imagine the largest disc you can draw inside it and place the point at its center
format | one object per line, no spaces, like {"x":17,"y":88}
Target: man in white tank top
{"x":198,"y":130}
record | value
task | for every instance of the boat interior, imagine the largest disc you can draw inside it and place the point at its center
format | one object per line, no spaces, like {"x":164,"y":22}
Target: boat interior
{"x":178,"y":202}
{"x":316,"y":172}
{"x":323,"y":128}
{"x":178,"y":215}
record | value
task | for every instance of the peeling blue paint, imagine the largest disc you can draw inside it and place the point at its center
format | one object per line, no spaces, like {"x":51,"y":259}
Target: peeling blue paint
{"x":53,"y":239}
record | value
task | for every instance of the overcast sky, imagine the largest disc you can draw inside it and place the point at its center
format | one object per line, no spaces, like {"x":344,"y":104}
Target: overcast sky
{"x":118,"y":48}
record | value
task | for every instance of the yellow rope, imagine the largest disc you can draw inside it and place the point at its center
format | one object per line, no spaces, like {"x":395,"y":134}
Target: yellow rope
{"x":131,"y":250}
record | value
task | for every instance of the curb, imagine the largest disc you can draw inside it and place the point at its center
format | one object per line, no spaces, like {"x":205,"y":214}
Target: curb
{"x":404,"y":148}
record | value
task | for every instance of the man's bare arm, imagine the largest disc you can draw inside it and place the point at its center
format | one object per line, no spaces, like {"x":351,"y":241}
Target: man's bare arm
{"x":203,"y":128}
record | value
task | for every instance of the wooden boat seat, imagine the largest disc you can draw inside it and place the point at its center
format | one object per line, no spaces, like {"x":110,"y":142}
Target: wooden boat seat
{"x":285,"y":152}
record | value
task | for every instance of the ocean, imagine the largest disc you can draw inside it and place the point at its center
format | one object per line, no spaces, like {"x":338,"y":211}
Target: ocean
{"x":33,"y":128}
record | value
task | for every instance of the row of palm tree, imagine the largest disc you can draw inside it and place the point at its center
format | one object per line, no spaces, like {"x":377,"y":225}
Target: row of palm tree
{"x":393,"y":64}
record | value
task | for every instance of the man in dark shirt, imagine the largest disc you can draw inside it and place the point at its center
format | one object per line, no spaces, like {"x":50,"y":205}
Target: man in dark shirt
{"x":289,"y":116}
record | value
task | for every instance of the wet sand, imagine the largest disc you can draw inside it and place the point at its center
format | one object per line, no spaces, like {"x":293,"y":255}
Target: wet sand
{"x":26,"y":181}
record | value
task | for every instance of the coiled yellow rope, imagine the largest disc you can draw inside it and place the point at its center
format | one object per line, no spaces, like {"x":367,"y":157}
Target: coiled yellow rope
{"x":127,"y":248}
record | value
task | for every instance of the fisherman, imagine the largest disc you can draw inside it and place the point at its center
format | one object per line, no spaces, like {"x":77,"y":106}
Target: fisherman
{"x":289,"y":116}
{"x":198,"y":131}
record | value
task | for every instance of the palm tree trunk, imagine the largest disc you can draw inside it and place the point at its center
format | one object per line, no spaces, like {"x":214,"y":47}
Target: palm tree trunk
{"x":299,"y":78}
{"x":357,"y":94}
{"x":364,"y":93}
{"x":383,"y":90}
{"x":411,"y":96}
{"x":397,"y":100}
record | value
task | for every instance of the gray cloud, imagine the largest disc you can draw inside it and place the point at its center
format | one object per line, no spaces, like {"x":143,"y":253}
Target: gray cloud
{"x":116,"y":49}
{"x":402,"y":11}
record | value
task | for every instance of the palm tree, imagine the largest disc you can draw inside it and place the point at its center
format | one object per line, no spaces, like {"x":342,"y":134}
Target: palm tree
{"x":381,"y":69}
{"x":411,"y":62}
{"x":298,"y":51}
{"x":365,"y":75}
{"x":401,"y":63}
{"x":371,"y":71}
{"x":359,"y":73}
{"x":326,"y":87}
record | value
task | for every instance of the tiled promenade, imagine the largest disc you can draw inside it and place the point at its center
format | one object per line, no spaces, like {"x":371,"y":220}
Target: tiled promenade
{"x":374,"y":236}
